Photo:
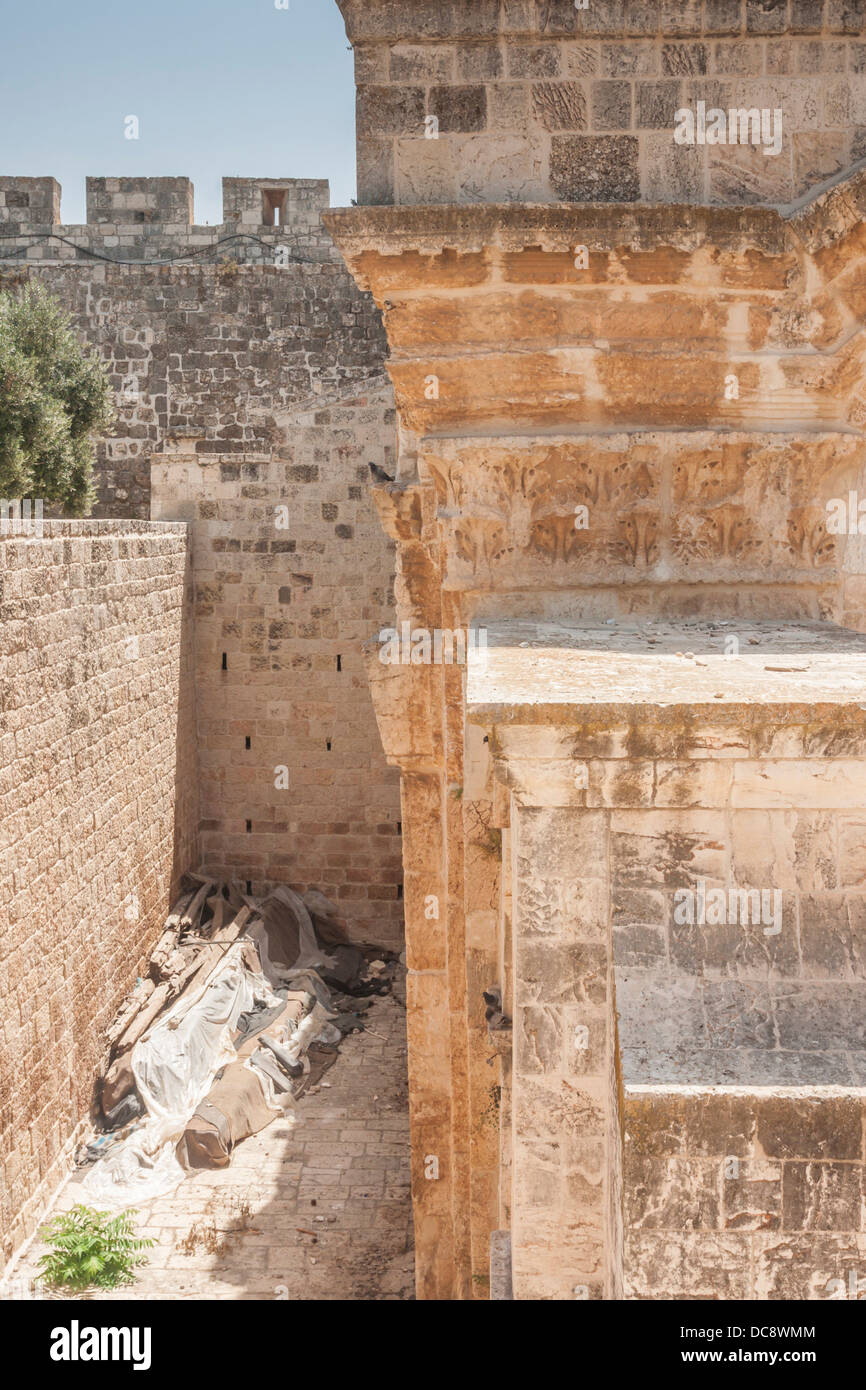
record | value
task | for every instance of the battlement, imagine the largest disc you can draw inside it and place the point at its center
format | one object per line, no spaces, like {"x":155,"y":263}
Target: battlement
{"x":29,"y":201}
{"x":274,"y":202}
{"x":139,"y":219}
{"x":139,"y":201}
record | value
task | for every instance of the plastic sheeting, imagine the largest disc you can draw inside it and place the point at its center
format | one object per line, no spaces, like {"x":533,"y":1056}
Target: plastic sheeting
{"x":175,"y":1064}
{"x":285,"y":937}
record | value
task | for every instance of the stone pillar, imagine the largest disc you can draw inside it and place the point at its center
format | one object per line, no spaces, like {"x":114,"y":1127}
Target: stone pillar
{"x":408,"y":703}
{"x":567,"y":1154}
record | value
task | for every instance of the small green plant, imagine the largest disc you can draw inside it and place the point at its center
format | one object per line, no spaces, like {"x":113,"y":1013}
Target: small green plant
{"x":91,"y":1249}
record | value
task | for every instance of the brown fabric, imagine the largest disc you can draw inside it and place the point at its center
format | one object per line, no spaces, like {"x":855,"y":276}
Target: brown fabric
{"x":235,"y":1108}
{"x":118,"y":1081}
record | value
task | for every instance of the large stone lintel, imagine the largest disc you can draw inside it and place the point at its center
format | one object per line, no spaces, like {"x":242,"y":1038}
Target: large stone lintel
{"x":551,"y":674}
{"x":669,"y":716}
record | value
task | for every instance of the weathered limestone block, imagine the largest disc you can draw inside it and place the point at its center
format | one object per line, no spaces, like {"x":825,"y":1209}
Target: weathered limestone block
{"x":139,"y":200}
{"x":782,"y":1169}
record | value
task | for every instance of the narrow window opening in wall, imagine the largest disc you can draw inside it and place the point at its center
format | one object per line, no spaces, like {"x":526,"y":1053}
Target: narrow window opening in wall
{"x":328,"y":745}
{"x":339,"y":663}
{"x":486,"y":739}
{"x":248,"y":742}
{"x":399,"y":891}
{"x":274,"y":207}
{"x":399,"y":827}
{"x":249,"y":827}
{"x":225,"y":661}
{"x":250,"y":887}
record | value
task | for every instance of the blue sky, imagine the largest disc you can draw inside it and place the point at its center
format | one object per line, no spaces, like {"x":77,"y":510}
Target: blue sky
{"x":233,"y":87}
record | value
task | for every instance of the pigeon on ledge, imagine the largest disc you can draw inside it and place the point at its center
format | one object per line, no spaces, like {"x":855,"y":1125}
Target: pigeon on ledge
{"x":379,"y":474}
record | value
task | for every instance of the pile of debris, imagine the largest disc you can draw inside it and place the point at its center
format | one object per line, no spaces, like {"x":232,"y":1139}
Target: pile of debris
{"x":243,"y":1011}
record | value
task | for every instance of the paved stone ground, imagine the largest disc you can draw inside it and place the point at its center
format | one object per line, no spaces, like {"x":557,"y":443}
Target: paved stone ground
{"x":315,"y":1210}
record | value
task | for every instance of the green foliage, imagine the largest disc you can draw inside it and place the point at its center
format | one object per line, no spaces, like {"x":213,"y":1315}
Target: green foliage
{"x":54,"y":396}
{"x":91,"y":1249}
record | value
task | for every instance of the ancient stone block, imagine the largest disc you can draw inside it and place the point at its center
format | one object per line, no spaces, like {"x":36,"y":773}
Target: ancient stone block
{"x":595,"y":168}
{"x":807,"y":16}
{"x":640,"y":59}
{"x":458,"y":109}
{"x":420,"y":63}
{"x":479,"y":62}
{"x":391,"y":111}
{"x":666,"y":1194}
{"x":611,"y":105}
{"x":672,"y":173}
{"x":766,"y":16}
{"x":751,"y":1194}
{"x":826,"y":1128}
{"x":723,"y":16}
{"x":657,"y":103}
{"x":561,"y":973}
{"x":821,"y":1196}
{"x":533,"y":60}
{"x":681,"y":59}
{"x":663,"y":1264}
{"x":559,"y":105}
{"x":808,"y":1266}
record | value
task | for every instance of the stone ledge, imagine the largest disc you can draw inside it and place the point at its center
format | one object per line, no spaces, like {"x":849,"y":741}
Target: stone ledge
{"x":547,"y":674}
{"x":675,"y":1090}
{"x":52,"y":530}
{"x":432,"y":21}
{"x":429,"y":228}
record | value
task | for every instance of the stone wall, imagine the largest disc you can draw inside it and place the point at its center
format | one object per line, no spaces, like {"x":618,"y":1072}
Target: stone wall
{"x":249,"y":376}
{"x":544,"y":101}
{"x":723,"y":998}
{"x":212,"y":334}
{"x":99,"y":809}
{"x":738,"y":1194}
{"x":294,"y":784}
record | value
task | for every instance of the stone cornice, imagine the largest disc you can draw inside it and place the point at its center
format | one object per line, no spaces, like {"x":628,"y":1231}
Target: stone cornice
{"x":429,"y":229}
{"x":548,"y":315}
{"x":473,"y":227}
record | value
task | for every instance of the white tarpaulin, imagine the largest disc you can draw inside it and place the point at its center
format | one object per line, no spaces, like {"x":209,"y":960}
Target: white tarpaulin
{"x":175,"y":1064}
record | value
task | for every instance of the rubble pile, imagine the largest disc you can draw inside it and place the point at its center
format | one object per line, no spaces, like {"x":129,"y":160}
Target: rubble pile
{"x":244,"y":1008}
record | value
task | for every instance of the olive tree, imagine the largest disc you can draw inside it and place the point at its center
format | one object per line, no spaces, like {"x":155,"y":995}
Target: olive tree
{"x":55,"y":398}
